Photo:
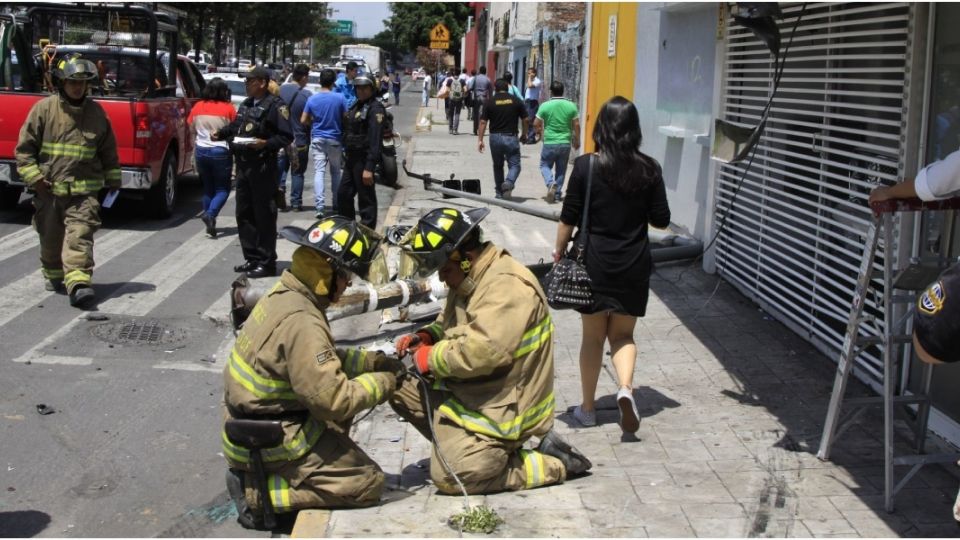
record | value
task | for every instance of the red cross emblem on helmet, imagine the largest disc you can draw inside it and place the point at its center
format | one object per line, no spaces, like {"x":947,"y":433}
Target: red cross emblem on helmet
{"x":315,"y":235}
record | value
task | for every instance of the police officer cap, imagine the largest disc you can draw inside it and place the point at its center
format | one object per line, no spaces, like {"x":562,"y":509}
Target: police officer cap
{"x":362,"y":81}
{"x":258,"y":72}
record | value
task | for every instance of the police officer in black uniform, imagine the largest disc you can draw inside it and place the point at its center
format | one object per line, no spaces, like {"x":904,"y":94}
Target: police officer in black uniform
{"x":261,"y":129}
{"x":362,"y":136}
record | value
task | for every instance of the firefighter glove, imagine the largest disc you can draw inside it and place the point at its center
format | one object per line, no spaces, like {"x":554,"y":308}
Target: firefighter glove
{"x":421,"y":357}
{"x":389,"y":364}
{"x":409,"y":342}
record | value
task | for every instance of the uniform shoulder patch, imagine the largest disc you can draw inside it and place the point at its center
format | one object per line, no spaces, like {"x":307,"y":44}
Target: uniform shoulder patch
{"x":379,"y":118}
{"x":285,"y":112}
{"x":325,"y":356}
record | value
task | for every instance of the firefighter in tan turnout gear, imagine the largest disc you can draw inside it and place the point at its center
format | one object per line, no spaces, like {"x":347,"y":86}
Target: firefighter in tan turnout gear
{"x":66,"y":154}
{"x":489,"y":357}
{"x":284,"y":367}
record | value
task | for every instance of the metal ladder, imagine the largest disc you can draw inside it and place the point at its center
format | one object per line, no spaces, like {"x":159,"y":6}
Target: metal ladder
{"x":894,"y":335}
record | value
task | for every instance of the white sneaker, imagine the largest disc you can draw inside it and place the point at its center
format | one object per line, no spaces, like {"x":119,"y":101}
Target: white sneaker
{"x":629,"y":417}
{"x":586,"y":419}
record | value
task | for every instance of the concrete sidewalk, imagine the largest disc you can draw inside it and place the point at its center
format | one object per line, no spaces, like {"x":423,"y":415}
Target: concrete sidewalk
{"x":732,"y":405}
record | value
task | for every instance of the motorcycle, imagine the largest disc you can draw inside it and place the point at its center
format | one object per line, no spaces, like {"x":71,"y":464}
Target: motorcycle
{"x":386,"y":173}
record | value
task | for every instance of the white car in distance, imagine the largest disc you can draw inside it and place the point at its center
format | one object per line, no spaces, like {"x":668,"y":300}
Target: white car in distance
{"x":236,"y":83}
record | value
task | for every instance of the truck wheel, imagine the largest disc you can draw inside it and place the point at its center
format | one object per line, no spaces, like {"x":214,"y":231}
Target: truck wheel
{"x":163,"y":195}
{"x":388,"y":170}
{"x":10,"y":197}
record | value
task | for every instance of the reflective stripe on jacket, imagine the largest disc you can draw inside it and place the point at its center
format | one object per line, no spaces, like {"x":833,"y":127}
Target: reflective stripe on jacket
{"x":495,"y":350}
{"x":284,"y":366}
{"x":71,"y":147}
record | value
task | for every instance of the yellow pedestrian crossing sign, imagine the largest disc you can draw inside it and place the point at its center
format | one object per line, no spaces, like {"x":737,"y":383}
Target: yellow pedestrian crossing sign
{"x":439,"y":37}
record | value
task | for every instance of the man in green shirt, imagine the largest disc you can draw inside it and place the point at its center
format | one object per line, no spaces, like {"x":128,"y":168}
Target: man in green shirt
{"x":558,"y":125}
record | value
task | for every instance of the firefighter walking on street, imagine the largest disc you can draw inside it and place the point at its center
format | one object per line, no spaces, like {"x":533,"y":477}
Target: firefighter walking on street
{"x":66,"y":154}
{"x":489,"y":359}
{"x":362,"y":140}
{"x":284,"y":367}
{"x":263,"y":124}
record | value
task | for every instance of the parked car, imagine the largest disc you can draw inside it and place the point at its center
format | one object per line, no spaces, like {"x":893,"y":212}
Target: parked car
{"x":205,"y":59}
{"x":419,"y":74}
{"x":236,"y":83}
{"x":147,"y":104}
{"x":244,"y":64}
{"x":313,"y":81}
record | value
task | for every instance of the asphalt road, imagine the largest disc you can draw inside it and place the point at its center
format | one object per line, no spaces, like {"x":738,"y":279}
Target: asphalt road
{"x":132,"y":445}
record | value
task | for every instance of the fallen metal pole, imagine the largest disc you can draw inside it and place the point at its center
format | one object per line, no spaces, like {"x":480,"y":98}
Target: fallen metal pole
{"x":365,"y":298}
{"x":519,"y":207}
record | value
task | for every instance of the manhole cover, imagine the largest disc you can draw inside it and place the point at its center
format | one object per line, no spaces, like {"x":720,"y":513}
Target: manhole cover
{"x":138,"y":333}
{"x":436,"y":152}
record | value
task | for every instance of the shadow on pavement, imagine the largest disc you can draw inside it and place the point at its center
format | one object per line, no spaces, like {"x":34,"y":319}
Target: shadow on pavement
{"x":772,"y":368}
{"x":22,"y":523}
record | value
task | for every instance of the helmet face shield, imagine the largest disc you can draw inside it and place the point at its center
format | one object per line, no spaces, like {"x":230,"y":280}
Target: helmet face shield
{"x":421,"y":265}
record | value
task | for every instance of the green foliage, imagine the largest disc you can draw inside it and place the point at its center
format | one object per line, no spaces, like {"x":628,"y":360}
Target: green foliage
{"x":478,"y":519}
{"x":411,"y":22}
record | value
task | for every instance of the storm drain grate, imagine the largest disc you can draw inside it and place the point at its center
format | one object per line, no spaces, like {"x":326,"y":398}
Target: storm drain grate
{"x":141,"y":333}
{"x":138,"y":333}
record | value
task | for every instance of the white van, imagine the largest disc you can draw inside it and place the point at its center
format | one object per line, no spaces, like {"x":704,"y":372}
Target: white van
{"x":206,"y":59}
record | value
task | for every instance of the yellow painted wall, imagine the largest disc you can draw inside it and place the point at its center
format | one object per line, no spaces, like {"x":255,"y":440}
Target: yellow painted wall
{"x":609,"y":76}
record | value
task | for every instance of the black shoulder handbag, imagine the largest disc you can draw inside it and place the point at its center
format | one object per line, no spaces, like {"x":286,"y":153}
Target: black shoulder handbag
{"x":567,"y":284}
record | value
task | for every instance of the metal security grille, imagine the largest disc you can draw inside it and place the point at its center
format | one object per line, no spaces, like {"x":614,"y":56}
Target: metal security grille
{"x":794,"y":235}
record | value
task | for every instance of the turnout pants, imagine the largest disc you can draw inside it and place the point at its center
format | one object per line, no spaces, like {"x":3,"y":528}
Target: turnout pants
{"x":336,"y":473}
{"x":257,"y":209}
{"x":352,"y":187}
{"x":66,"y":225}
{"x":484,"y":464}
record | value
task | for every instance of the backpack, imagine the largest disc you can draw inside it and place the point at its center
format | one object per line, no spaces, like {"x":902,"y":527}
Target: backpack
{"x":456,"y":90}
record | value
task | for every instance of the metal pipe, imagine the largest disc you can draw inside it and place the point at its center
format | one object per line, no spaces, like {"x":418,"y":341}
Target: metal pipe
{"x":366,"y":298}
{"x":545,"y":214}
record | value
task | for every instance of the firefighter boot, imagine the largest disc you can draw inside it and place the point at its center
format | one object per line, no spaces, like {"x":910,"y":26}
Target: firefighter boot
{"x":82,"y":296}
{"x":245,"y":516}
{"x":573,"y":461}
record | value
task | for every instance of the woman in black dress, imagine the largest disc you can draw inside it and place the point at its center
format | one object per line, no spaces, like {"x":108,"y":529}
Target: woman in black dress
{"x":627,"y":194}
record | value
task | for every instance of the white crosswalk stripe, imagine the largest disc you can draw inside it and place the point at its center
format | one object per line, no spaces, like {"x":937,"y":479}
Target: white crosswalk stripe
{"x":28,"y":290}
{"x":16,"y":243}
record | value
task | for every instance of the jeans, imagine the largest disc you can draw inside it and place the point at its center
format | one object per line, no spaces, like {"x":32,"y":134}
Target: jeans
{"x":296,"y":175}
{"x":326,"y":152}
{"x":554,"y":157}
{"x":532,"y":106}
{"x":505,"y":147}
{"x":453,"y":114}
{"x":214,"y":165}
{"x":396,"y":96}
{"x":426,"y":97}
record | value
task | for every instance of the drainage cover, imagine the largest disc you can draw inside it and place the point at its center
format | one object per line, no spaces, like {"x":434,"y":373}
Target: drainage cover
{"x":138,"y":333}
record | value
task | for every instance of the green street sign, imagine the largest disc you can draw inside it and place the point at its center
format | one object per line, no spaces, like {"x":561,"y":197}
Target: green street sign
{"x":343,"y":28}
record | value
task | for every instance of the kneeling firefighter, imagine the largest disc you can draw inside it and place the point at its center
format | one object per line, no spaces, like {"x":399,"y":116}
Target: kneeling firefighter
{"x":284,"y":367}
{"x":488,"y":359}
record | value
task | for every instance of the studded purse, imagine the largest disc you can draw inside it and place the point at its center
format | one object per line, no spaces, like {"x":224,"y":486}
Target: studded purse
{"x":567,"y":285}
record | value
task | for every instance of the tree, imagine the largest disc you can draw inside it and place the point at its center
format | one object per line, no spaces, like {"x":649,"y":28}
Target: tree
{"x":430,"y":59}
{"x":411,"y":22}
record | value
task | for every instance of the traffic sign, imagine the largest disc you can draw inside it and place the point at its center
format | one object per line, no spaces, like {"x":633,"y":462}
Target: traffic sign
{"x":343,"y":28}
{"x":439,"y":37}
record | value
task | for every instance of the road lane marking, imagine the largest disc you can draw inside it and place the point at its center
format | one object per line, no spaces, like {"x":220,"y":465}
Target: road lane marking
{"x":18,"y":242}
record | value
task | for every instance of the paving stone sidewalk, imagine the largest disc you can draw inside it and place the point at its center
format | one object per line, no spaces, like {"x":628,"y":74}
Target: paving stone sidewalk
{"x":732,"y":405}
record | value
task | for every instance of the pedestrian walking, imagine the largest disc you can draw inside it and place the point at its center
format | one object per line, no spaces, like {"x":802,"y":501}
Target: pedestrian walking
{"x":324,"y":113}
{"x":285,"y":366}
{"x":66,"y":153}
{"x":480,"y":90}
{"x":396,"y":88}
{"x":214,"y":161}
{"x":455,"y":103}
{"x":531,"y":98}
{"x":362,"y":137}
{"x":558,"y":125}
{"x":344,"y":84}
{"x":427,"y":79}
{"x":626,"y":195}
{"x":503,"y":112}
{"x":263,"y":126}
{"x":295,"y":156}
{"x":468,"y":101}
{"x":488,"y":362}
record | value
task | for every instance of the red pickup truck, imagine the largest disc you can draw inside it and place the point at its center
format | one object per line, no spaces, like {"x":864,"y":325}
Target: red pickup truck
{"x":146,"y":96}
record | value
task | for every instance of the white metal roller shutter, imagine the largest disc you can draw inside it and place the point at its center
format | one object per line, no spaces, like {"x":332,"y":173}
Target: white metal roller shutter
{"x":794,"y":235}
